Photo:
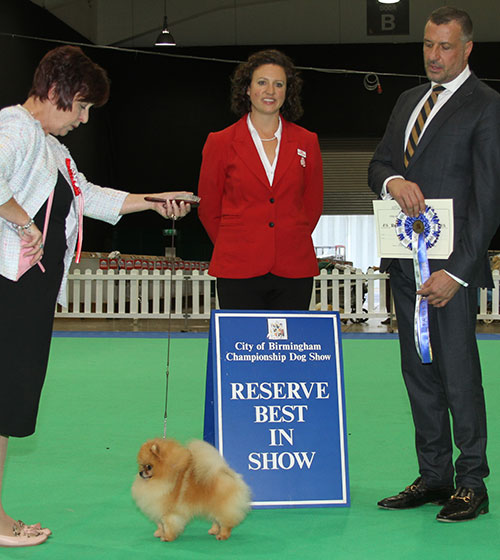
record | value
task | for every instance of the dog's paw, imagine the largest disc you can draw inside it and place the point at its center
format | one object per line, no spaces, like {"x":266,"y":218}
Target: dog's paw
{"x":214,"y":529}
{"x":223,"y":534}
{"x":168,"y":538}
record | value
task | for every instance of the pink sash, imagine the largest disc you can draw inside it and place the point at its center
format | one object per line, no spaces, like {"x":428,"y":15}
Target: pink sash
{"x":25,"y":261}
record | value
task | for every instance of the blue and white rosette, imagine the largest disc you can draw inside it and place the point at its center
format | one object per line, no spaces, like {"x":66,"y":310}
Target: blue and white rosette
{"x":418,"y":235}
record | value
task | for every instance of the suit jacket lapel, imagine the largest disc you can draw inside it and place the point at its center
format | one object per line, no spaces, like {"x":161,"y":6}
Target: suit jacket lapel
{"x":246,"y":150}
{"x":288,"y":150}
{"x":448,"y":109}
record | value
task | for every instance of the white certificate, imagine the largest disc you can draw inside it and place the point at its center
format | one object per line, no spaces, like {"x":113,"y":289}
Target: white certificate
{"x":388,"y":243}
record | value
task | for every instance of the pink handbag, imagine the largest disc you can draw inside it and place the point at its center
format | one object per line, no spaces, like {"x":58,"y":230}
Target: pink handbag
{"x":25,"y":261}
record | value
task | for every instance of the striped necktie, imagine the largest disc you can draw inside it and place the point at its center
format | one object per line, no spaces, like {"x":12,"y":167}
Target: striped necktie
{"x":419,"y":123}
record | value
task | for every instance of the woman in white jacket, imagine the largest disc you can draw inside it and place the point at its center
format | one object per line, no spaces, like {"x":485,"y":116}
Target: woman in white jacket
{"x":42,"y":200}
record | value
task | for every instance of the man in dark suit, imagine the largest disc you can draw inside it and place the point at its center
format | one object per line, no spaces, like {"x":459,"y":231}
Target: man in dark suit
{"x":455,"y":154}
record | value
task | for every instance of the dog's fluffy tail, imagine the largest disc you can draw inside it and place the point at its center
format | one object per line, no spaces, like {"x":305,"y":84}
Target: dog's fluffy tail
{"x":207,"y":461}
{"x":209,"y":466}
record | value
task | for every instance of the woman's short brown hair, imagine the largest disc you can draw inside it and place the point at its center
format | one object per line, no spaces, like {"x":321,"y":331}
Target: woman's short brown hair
{"x":242,"y":77}
{"x":71,"y":72}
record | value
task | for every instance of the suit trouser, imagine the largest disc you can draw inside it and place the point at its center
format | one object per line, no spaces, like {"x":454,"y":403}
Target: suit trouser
{"x":450,"y":384}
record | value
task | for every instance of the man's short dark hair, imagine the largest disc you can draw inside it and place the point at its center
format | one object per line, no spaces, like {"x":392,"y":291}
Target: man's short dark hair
{"x":446,"y":14}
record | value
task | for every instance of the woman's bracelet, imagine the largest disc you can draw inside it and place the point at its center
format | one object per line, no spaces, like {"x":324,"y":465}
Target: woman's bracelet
{"x":25,"y":227}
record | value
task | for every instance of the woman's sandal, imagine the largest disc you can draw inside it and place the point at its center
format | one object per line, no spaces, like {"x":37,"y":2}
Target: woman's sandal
{"x":36,"y":527}
{"x":23,"y":535}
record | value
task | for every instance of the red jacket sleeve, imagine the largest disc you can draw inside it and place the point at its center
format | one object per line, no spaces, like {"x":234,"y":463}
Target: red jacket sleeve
{"x":211,"y":185}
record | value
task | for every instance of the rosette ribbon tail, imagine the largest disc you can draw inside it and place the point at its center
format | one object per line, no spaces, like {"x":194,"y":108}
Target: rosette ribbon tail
{"x":79,"y":197}
{"x":80,"y":230}
{"x":421,"y":319}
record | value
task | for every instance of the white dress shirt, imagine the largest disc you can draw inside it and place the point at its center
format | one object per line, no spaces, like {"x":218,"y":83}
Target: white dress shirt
{"x":443,"y":97}
{"x":270,"y":168}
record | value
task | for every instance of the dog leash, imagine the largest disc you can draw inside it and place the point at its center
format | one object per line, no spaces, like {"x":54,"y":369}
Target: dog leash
{"x":169,"y":324}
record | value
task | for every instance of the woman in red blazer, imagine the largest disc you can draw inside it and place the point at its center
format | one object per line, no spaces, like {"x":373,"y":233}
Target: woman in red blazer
{"x":261,"y":188}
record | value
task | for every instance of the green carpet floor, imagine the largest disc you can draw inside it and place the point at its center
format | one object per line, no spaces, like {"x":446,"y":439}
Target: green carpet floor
{"x":105,"y":396}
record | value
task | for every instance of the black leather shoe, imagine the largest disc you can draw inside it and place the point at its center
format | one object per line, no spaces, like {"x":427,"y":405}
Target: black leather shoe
{"x":465,"y":504}
{"x":417,"y":494}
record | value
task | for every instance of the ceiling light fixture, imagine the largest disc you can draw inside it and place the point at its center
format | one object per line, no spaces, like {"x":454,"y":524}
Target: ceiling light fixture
{"x":388,"y":1}
{"x":165,"y":38}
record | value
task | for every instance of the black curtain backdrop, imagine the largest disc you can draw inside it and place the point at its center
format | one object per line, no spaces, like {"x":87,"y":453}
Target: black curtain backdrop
{"x":150,"y":135}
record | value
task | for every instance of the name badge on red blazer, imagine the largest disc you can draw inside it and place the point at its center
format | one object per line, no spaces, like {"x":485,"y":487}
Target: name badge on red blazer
{"x":303,"y":156}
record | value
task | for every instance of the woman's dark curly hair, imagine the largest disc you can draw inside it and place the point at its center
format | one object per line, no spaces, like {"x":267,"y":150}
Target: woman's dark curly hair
{"x":242,"y":77}
{"x":71,"y":72}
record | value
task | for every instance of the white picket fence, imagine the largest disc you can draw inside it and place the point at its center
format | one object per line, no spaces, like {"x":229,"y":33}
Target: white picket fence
{"x":146,"y":294}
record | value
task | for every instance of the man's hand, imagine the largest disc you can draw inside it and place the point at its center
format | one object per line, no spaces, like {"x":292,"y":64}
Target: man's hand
{"x":439,"y":288}
{"x":408,"y":195}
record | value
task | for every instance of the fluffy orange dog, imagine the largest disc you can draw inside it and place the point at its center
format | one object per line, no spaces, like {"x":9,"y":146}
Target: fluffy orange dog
{"x":176,"y":483}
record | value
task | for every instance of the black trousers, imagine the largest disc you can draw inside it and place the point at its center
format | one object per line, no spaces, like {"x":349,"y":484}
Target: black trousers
{"x":451,"y":384}
{"x":268,"y":292}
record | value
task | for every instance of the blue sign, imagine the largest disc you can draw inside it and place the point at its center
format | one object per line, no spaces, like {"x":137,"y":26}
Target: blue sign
{"x":275,"y":405}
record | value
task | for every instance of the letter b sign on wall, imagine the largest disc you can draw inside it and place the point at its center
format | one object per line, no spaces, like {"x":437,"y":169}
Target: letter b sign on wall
{"x":387,"y":19}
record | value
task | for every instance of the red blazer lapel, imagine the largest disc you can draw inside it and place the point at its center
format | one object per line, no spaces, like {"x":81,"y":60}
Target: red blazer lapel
{"x":245,"y":148}
{"x":288,"y":150}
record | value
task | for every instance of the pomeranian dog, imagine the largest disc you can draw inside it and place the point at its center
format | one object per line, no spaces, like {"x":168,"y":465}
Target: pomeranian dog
{"x":176,"y":483}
